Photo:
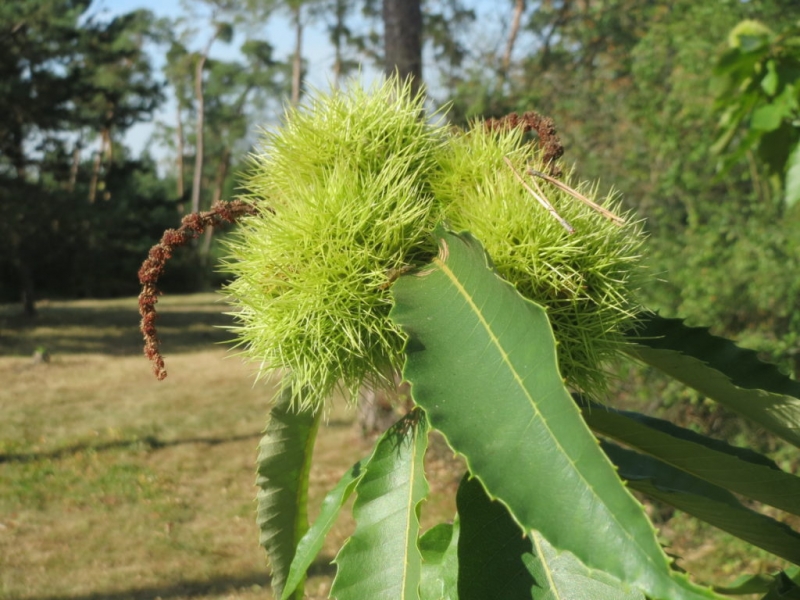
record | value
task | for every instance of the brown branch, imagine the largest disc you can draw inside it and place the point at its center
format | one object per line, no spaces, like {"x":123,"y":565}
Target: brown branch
{"x":505,"y":65}
{"x":151,"y":270}
{"x":545,"y":129}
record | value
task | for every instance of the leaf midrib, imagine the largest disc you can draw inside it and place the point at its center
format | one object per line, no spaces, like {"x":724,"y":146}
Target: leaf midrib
{"x":474,"y":307}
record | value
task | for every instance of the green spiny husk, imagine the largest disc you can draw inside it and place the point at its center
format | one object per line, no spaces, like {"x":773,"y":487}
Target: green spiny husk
{"x":584,"y":279}
{"x":349,"y":192}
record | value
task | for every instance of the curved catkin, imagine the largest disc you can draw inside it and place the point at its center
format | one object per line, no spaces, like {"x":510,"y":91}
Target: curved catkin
{"x":347,"y":194}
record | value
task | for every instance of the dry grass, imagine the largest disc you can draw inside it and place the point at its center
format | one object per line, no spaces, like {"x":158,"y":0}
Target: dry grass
{"x":114,"y":485}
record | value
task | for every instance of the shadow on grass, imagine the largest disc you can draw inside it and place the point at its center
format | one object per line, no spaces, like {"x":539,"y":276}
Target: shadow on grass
{"x":113,"y":330}
{"x":192,"y":589}
{"x":148,"y":442}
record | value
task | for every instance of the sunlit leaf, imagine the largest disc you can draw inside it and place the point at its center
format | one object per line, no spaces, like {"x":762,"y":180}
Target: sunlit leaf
{"x":561,"y":576}
{"x":770,"y":82}
{"x":768,"y":117}
{"x":381,"y":561}
{"x":482,"y":362}
{"x":792,"y":191}
{"x":312,"y":541}
{"x":439,"y":549}
{"x":284,"y":460}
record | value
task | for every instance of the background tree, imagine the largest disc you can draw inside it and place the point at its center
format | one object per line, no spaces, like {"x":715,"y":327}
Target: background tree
{"x":224,"y":32}
{"x":234,"y":92}
{"x":760,"y":104}
{"x":63,"y":74}
{"x":337,"y":14}
{"x":444,"y":25}
{"x":178,"y":72}
{"x":116,"y":88}
{"x":402,"y":39}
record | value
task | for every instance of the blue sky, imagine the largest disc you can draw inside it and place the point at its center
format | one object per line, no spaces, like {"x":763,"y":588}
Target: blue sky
{"x":278,"y":30}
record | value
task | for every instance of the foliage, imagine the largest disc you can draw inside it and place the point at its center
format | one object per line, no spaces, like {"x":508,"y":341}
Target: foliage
{"x":78,"y":249}
{"x":545,"y":510}
{"x":631,"y":86}
{"x":68,"y":79}
{"x":284,"y":461}
{"x":759,"y":99}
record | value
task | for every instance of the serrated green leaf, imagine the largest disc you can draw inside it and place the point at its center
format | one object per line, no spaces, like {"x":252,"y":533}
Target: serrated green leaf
{"x":490,"y":548}
{"x":439,"y":550}
{"x":381,"y":561}
{"x":284,"y":461}
{"x":561,"y":576}
{"x":722,"y":371}
{"x":312,"y":541}
{"x":792,"y":187}
{"x":705,"y":501}
{"x":739,"y":470}
{"x":482,"y":362}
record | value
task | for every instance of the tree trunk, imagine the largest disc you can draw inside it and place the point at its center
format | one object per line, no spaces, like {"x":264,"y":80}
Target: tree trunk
{"x":219,"y":183}
{"x":379,"y":409}
{"x":105,"y":155}
{"x":17,"y":152}
{"x":402,"y":27}
{"x":505,"y":66}
{"x":198,"y":153}
{"x":297,"y":61}
{"x":181,"y":188}
{"x":98,"y":159}
{"x":337,"y":43}
{"x":26,"y":280}
{"x":73,"y":170}
{"x":108,"y":143}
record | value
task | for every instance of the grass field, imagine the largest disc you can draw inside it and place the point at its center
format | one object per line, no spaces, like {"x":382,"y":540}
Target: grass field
{"x":115,"y":486}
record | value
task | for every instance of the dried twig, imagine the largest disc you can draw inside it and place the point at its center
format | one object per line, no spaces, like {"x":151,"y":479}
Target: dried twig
{"x":540,"y":197}
{"x":153,"y":267}
{"x":576,"y":194}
